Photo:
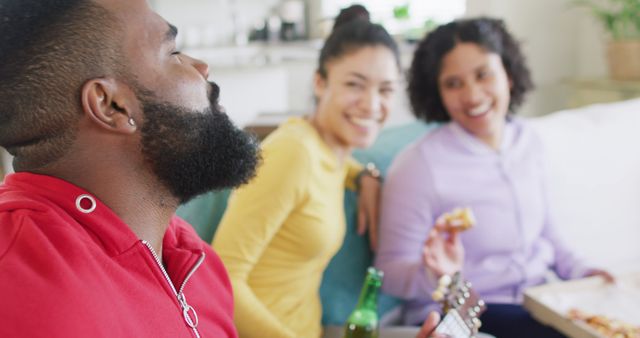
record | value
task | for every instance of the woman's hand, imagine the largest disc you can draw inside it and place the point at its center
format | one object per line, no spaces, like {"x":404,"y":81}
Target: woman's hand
{"x":608,"y":277}
{"x":368,"y":208}
{"x":429,"y":325}
{"x":443,"y":252}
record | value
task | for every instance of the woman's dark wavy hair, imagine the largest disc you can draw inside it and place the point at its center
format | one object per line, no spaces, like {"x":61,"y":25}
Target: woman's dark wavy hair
{"x":352,"y":31}
{"x":490,"y":34}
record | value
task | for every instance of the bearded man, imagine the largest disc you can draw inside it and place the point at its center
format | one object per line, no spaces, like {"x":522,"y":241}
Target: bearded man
{"x":111,"y":128}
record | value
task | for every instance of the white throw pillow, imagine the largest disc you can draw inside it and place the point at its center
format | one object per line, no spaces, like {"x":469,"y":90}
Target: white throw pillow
{"x":593,"y":158}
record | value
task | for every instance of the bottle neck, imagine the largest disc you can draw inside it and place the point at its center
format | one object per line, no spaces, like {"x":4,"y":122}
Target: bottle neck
{"x":369,"y":296}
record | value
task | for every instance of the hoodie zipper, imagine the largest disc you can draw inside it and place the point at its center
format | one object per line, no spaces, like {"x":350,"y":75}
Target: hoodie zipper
{"x":186,"y":308}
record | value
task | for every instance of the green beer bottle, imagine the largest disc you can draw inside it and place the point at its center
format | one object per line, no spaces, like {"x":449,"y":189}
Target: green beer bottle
{"x":363,"y":321}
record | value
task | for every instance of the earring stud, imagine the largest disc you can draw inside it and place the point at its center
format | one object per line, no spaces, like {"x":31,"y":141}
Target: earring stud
{"x":131,"y":121}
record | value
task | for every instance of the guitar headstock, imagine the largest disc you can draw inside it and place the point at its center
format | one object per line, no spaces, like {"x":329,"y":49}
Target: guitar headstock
{"x":461,"y":306}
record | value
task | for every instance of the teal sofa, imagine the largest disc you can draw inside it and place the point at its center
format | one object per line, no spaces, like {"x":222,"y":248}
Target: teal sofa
{"x":344,"y":276}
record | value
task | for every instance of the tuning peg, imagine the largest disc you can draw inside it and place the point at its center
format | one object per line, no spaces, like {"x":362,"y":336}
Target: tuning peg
{"x":445,"y":280}
{"x":437,"y":295}
{"x":476,"y":323}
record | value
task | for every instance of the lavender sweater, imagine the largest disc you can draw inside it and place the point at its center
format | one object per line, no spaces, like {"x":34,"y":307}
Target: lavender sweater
{"x":514,"y":242}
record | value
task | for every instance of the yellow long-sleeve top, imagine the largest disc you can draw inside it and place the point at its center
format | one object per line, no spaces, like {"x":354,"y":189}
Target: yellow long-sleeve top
{"x":280,"y":231}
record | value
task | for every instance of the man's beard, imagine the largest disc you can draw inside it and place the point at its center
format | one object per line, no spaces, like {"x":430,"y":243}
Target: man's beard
{"x":192,"y":152}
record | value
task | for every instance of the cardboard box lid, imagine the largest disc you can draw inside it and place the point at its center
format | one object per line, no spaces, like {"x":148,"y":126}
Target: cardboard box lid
{"x":550,"y":303}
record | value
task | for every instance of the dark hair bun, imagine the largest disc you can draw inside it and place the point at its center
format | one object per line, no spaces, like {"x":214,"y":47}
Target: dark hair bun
{"x":351,"y":13}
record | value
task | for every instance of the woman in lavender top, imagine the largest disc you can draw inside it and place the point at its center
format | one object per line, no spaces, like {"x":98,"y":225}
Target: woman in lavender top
{"x":471,"y":75}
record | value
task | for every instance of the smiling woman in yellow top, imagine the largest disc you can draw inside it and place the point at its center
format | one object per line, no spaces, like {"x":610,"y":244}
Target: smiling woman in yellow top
{"x":280,"y":231}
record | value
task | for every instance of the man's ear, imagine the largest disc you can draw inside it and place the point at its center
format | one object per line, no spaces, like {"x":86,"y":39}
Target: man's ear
{"x":111,"y":104}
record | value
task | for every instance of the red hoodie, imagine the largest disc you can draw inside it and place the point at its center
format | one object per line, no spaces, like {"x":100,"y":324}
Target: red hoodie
{"x":69,"y":273}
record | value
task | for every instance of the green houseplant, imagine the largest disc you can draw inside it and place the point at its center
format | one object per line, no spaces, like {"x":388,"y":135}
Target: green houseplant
{"x":621,"y":20}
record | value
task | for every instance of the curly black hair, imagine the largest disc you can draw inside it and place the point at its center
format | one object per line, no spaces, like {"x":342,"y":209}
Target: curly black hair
{"x":491,"y":34}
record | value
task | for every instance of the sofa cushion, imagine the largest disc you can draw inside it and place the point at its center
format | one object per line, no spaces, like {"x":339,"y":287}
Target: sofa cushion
{"x":593,"y":159}
{"x":205,"y":212}
{"x":345,"y":273}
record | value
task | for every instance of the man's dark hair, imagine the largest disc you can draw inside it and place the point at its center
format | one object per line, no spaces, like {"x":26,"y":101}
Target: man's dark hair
{"x":48,"y":49}
{"x":350,"y":33}
{"x":490,"y":34}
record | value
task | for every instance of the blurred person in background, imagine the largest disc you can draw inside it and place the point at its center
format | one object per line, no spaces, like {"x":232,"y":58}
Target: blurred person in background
{"x":471,"y":76}
{"x":280,"y":231}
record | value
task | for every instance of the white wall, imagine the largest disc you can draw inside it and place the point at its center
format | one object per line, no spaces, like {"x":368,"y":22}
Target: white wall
{"x":254,"y":90}
{"x":560,"y":41}
{"x":211,"y":22}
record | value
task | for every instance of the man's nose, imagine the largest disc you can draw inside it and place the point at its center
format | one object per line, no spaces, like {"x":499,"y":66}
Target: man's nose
{"x":201,"y":66}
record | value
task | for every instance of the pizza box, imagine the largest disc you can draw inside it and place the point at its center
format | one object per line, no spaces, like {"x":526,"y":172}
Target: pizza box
{"x":550,"y":303}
